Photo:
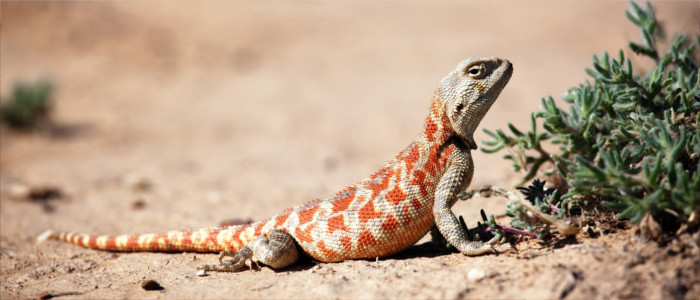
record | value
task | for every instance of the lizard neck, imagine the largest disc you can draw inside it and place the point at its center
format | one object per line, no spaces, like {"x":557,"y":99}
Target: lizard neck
{"x":437,"y":129}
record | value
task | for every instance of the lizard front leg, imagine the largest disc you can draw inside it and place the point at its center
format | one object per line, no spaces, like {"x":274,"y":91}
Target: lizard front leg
{"x":458,"y":175}
{"x":277,"y":250}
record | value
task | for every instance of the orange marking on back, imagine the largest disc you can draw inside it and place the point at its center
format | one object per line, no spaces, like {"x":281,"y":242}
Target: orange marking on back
{"x":304,"y":235}
{"x":433,"y":156}
{"x":378,"y":187}
{"x":343,"y":203}
{"x":326,"y":252}
{"x":406,"y":215}
{"x":237,"y":236}
{"x":279,"y":220}
{"x":397,"y":178}
{"x":336,"y":223}
{"x":346,"y":242}
{"x":258,"y":228}
{"x":412,"y":156}
{"x":419,"y":180}
{"x":430,"y":129}
{"x":391,"y":224}
{"x":305,"y":216}
{"x":214,"y":236}
{"x":396,"y":195}
{"x":445,"y":156}
{"x":367,"y":212}
{"x":366,"y":238}
{"x":416,"y":204}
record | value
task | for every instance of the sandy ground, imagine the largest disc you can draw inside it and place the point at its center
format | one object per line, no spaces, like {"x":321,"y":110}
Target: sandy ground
{"x":241,"y":109}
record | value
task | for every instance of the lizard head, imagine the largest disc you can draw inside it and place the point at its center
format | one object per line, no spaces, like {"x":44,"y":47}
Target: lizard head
{"x":468,"y":92}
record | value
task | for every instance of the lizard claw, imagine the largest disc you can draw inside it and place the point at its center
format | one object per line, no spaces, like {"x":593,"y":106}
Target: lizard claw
{"x":497,"y":247}
{"x":225,"y":253}
{"x":236,"y":263}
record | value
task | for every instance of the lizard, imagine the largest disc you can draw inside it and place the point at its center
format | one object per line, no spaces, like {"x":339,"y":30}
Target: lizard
{"x":378,"y":216}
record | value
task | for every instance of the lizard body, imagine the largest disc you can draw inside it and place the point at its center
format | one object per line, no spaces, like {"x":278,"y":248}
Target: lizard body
{"x":376,"y":217}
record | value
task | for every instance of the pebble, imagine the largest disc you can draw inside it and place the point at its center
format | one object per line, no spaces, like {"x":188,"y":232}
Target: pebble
{"x":214,"y":197}
{"x":476,"y":274}
{"x":18,"y":191}
{"x":137,"y":182}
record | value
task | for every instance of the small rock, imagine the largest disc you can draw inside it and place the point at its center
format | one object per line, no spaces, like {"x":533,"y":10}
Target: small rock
{"x":151,"y":285}
{"x":137,"y":182}
{"x":138,"y":203}
{"x":18,"y":191}
{"x":214,"y":197}
{"x":202,"y":273}
{"x":45,"y":193}
{"x":476,"y":274}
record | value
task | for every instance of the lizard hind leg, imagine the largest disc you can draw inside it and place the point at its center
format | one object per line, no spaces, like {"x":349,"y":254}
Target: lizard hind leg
{"x":277,"y":250}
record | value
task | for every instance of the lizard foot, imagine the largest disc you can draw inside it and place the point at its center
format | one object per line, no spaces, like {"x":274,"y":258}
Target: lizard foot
{"x":278,"y":249}
{"x":240,"y":259}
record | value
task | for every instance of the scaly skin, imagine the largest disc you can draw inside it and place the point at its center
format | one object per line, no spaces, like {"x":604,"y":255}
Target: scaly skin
{"x":376,"y":217}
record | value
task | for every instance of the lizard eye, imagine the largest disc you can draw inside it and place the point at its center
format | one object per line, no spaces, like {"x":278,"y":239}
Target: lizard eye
{"x":477,"y":71}
{"x":460,"y":106}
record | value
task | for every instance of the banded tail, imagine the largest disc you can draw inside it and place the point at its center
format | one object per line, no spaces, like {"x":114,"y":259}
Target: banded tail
{"x":202,"y":240}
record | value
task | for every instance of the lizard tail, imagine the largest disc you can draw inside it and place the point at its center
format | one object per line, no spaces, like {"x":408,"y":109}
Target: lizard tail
{"x":203,"y":240}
